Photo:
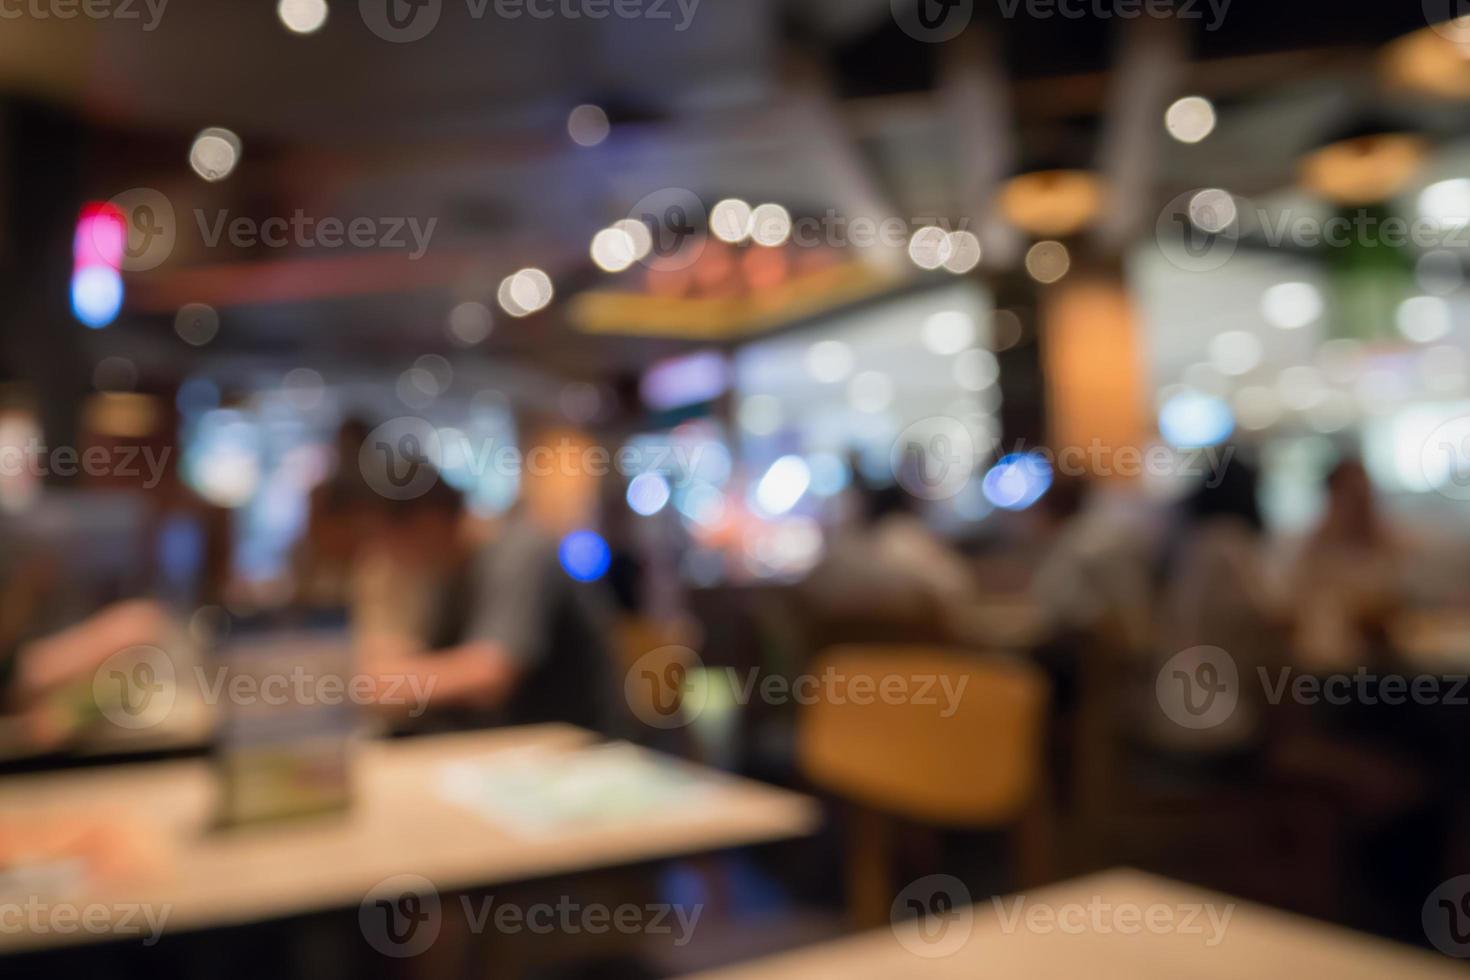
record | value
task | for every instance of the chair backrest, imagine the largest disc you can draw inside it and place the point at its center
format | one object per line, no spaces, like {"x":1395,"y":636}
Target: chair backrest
{"x":961,"y":746}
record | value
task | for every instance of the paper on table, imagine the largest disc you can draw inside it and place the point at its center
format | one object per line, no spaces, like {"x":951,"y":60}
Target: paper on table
{"x":542,"y":791}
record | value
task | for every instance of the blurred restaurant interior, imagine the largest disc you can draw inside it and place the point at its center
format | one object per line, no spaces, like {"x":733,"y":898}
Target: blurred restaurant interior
{"x":749,"y":488}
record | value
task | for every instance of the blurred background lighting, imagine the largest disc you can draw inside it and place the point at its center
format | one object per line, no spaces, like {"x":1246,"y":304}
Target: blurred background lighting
{"x":1301,"y":387}
{"x":1190,"y":119}
{"x":829,"y":474}
{"x":829,"y":361}
{"x":929,"y":247}
{"x":1052,"y":203}
{"x":96,"y":295}
{"x":1235,"y":352}
{"x":1363,"y":169}
{"x":196,"y":323}
{"x":703,"y":504}
{"x":1213,"y":211}
{"x":638,"y":234}
{"x":770,"y":225}
{"x":975,"y":369}
{"x":1424,"y":319}
{"x":525,"y":292}
{"x":648,"y":493}
{"x":613,"y":250}
{"x":1191,"y":419}
{"x":1439,"y":272}
{"x":693,"y":379}
{"x":947,"y":332}
{"x":730,"y":220}
{"x":584,"y":555}
{"x":1291,"y":305}
{"x":760,"y":415}
{"x":470,"y":323}
{"x":587,"y":125}
{"x":1047,"y":262}
{"x":214,"y":153}
{"x":100,"y":238}
{"x":1256,"y":407}
{"x":782,"y":486}
{"x":1017,"y":481}
{"x":1446,"y":203}
{"x":870,"y":391}
{"x":302,"y":16}
{"x":964,"y":252}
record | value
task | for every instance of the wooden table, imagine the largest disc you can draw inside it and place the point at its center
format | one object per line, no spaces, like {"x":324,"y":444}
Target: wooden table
{"x":1255,"y":942}
{"x":400,"y":823}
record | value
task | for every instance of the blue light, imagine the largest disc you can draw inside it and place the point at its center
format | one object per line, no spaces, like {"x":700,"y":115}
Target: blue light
{"x":1017,"y":481}
{"x":584,"y":555}
{"x":1191,"y":420}
{"x":197,"y":395}
{"x":96,"y":295}
{"x":829,"y":474}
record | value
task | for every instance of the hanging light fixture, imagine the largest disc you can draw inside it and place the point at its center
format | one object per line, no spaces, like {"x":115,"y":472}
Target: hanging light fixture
{"x":1433,"y":60}
{"x":1365,"y":164}
{"x":1052,"y":203}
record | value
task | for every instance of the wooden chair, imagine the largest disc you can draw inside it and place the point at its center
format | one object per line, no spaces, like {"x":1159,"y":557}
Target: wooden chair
{"x":981,"y":767}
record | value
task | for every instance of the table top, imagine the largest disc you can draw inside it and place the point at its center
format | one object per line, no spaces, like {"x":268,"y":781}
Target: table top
{"x":400,"y":823}
{"x":1254,"y":941}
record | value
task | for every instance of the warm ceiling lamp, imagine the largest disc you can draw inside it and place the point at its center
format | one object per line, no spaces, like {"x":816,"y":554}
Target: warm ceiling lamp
{"x":1431,"y":61}
{"x":1363,"y":169}
{"x":1052,"y":203}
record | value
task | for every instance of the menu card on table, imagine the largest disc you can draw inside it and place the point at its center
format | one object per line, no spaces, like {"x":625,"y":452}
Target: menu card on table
{"x":286,"y":725}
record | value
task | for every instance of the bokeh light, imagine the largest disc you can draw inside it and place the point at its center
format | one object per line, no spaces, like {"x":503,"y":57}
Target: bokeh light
{"x":214,"y":153}
{"x":588,"y":125}
{"x":1190,"y":119}
{"x":1017,"y":481}
{"x":302,"y":16}
{"x":584,"y":555}
{"x":1192,"y":419}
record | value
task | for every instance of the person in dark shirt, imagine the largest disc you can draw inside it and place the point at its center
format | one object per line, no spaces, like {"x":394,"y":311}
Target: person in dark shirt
{"x":507,"y":636}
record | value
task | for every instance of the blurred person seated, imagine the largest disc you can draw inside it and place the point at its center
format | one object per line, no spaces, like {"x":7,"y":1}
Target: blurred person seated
{"x":1092,"y":592}
{"x":497,"y":633}
{"x":887,"y":561}
{"x":1216,"y":592}
{"x":342,"y":512}
{"x":47,"y":679}
{"x":1092,"y":580}
{"x":1346,"y":580}
{"x":190,"y":552}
